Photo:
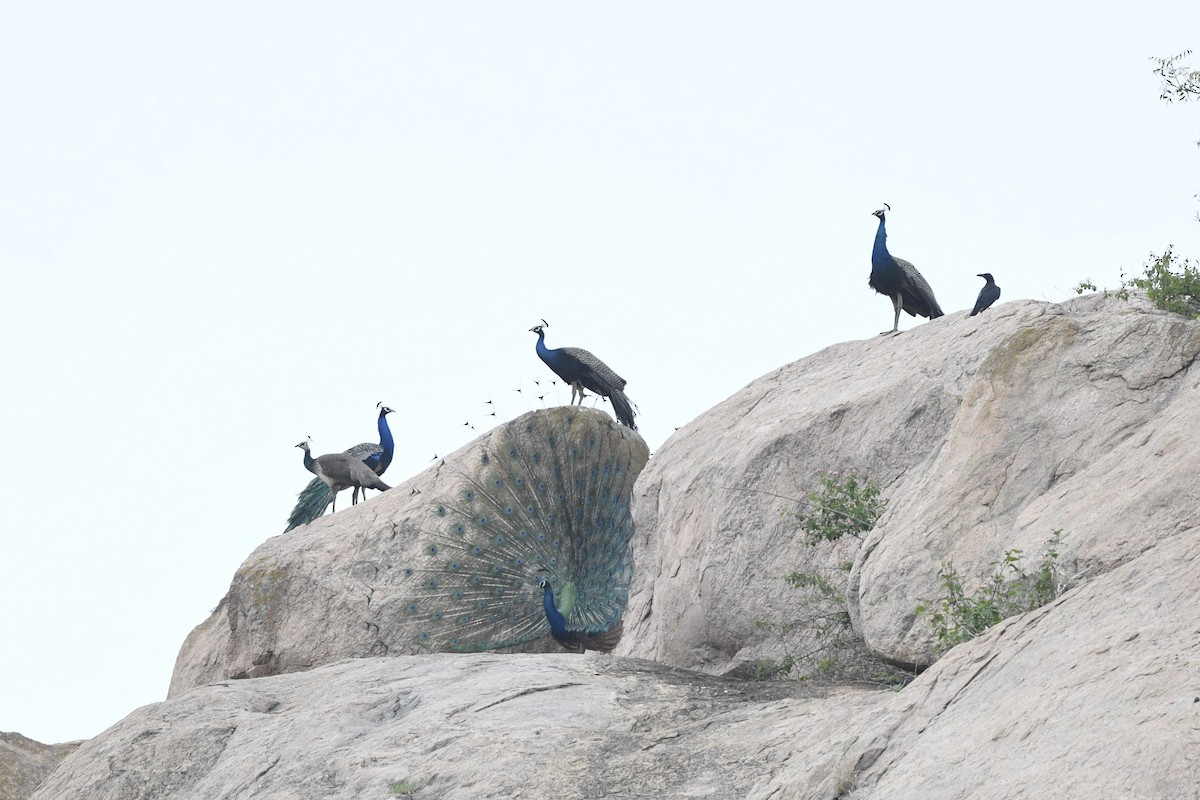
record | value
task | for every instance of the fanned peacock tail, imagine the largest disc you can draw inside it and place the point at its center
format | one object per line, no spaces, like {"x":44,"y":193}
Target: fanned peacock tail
{"x":546,"y":496}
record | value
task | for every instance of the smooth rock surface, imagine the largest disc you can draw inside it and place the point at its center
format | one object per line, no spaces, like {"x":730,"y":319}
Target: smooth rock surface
{"x":1096,"y":696}
{"x":987,"y":433}
{"x":457,"y":726}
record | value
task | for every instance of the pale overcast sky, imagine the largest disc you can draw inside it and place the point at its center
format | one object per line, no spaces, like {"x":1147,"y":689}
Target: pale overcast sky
{"x":228,"y":226}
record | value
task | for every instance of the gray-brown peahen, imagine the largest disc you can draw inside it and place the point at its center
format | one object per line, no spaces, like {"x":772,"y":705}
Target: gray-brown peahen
{"x":315,"y":498}
{"x":340,"y":471}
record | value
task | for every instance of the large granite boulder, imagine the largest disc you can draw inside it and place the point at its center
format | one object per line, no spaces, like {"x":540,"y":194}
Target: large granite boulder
{"x":1095,"y":695}
{"x":987,"y":433}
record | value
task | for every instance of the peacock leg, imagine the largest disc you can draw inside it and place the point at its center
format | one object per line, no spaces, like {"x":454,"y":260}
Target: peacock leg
{"x":898,"y":304}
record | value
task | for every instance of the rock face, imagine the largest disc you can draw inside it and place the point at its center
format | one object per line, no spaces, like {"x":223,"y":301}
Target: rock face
{"x":513,"y":726}
{"x":988,"y":433}
{"x":1095,"y":695}
{"x":337,"y":588}
{"x":25,"y":763}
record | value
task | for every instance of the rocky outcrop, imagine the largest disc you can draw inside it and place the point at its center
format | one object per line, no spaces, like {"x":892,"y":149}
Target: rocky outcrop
{"x":1092,"y":696}
{"x":988,"y":433}
{"x":336,"y":588}
{"x":1096,"y":695}
{"x":24,"y":764}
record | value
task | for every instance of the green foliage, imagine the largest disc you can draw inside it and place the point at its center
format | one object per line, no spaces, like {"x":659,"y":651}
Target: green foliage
{"x":957,"y":617}
{"x":843,"y":504}
{"x":822,"y":644}
{"x":1171,"y":283}
{"x":405,"y":787}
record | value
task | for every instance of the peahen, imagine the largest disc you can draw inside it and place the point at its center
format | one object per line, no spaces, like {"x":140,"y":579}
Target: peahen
{"x":340,"y":471}
{"x":989,"y":294}
{"x":535,"y":539}
{"x":316,"y":497}
{"x":582,"y":370}
{"x":899,"y":280}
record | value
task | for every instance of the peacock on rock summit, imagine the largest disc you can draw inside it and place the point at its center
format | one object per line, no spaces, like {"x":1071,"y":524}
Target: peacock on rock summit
{"x":316,"y":497}
{"x":582,"y":370}
{"x":534,"y":540}
{"x":899,"y":280}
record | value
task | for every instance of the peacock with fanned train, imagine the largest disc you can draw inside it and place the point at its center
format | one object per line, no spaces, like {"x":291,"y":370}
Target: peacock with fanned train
{"x":316,"y":496}
{"x":534,"y":539}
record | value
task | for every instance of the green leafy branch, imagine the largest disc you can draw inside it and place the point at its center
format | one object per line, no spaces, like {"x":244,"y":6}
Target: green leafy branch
{"x":958,"y":617}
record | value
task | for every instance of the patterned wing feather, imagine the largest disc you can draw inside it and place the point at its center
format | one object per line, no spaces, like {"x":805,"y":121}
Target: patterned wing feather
{"x":364,"y":451}
{"x":918,"y":295}
{"x":603,"y":378}
{"x":547,"y":495}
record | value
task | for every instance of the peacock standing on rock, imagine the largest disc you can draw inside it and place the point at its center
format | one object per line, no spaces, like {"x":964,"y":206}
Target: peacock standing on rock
{"x":534,"y":540}
{"x":899,"y":280}
{"x":316,"y":497}
{"x":582,"y":370}
{"x":339,"y":471}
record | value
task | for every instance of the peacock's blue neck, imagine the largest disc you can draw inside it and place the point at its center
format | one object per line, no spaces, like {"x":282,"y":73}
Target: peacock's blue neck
{"x":558,"y":623}
{"x":544,"y":353}
{"x":880,"y":252}
{"x":309,"y":463}
{"x":385,"y":441}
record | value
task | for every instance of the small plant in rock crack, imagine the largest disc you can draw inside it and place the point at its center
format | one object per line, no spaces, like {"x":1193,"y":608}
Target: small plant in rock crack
{"x":1011,"y":589}
{"x":405,"y":788}
{"x":842,"y":504}
{"x":821,"y":643}
{"x":823,"y":627}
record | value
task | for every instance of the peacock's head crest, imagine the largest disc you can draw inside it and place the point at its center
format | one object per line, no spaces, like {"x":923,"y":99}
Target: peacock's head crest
{"x":538,"y":328}
{"x":306,"y":445}
{"x":383,"y":410}
{"x":881,"y":211}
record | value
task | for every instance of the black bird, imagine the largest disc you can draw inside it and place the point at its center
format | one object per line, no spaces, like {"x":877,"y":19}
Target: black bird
{"x":899,"y":280}
{"x":582,"y":370}
{"x":989,"y":294}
